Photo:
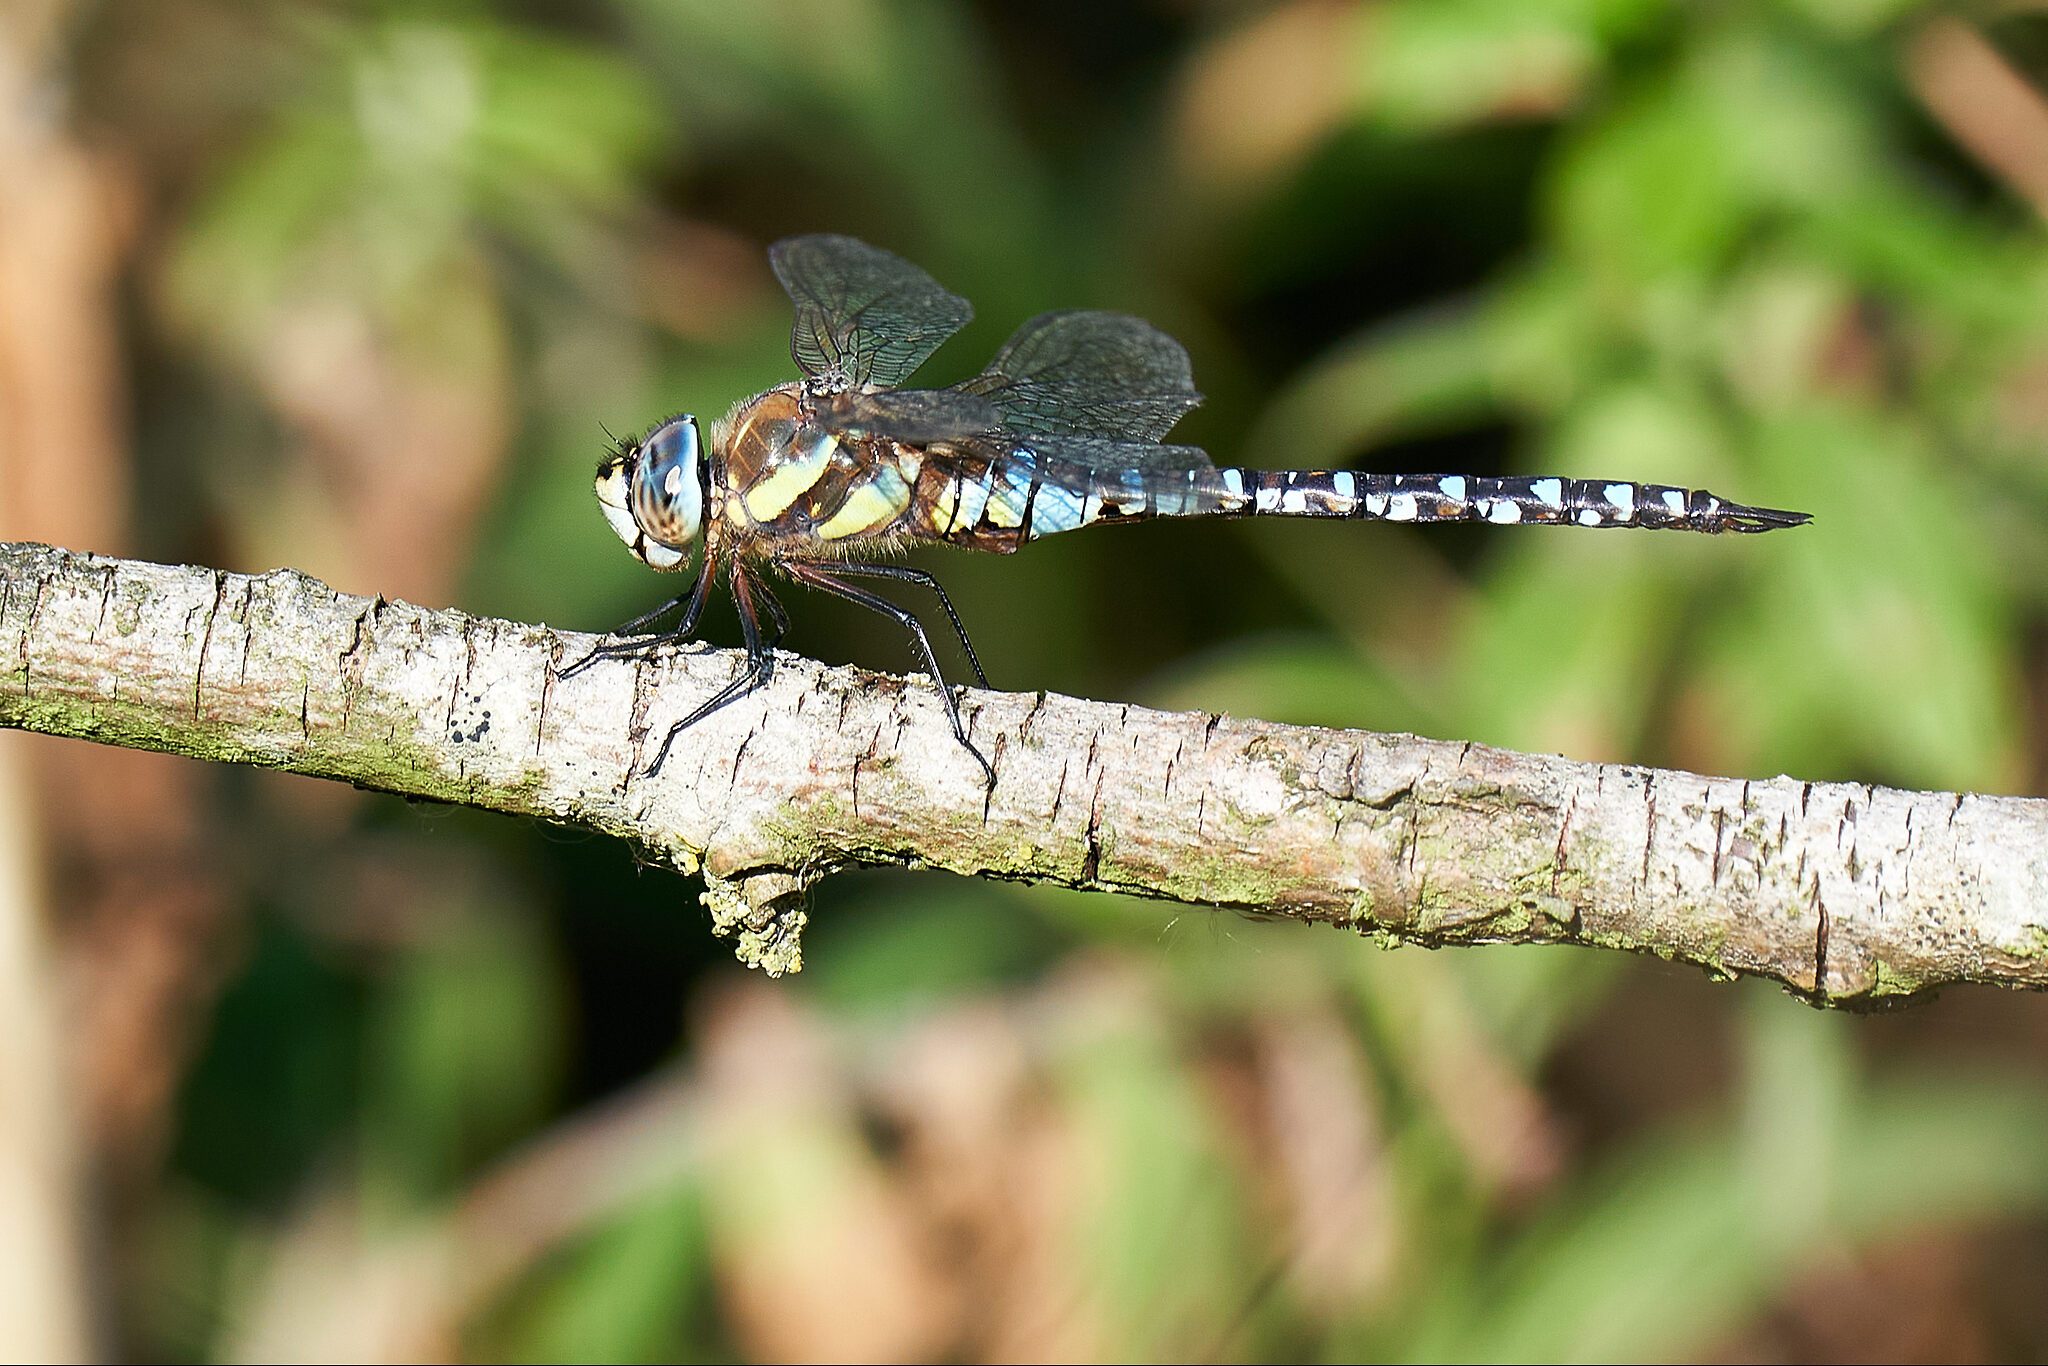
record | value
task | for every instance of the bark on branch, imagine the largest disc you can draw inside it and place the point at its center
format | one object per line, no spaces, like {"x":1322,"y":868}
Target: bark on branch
{"x":1843,"y":892}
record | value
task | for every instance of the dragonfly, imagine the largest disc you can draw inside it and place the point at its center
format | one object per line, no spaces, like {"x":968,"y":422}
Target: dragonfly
{"x":821,"y":480}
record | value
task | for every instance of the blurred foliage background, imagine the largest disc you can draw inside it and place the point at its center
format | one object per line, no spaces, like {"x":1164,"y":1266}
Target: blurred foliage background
{"x":292,"y":1071}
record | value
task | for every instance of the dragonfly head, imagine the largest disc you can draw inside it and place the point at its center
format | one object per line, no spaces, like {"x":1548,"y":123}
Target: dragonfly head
{"x":653,"y":492}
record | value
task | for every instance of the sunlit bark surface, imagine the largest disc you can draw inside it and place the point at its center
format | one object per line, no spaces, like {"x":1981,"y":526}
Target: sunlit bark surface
{"x":1843,"y":892}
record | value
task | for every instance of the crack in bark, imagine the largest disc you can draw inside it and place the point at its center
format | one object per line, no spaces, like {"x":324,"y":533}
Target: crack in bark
{"x":28,"y":630}
{"x":738,"y":755}
{"x":248,"y":632}
{"x":106,"y":598}
{"x":1091,"y":859}
{"x":1649,"y":835}
{"x":1031,"y":717}
{"x":1822,"y":930}
{"x":220,"y":590}
{"x":1563,"y":829}
{"x":547,"y":692}
{"x":637,"y":727}
{"x":1720,"y":821}
{"x":350,"y":664}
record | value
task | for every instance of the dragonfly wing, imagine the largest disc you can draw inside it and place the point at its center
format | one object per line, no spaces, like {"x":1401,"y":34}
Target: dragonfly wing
{"x":862,"y":312}
{"x":1082,"y":456}
{"x":1090,"y":374}
{"x":917,"y":416}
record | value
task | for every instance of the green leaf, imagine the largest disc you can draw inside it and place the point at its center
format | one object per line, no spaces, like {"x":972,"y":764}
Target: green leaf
{"x":465,"y":1047}
{"x":1302,"y":680}
{"x":1159,"y":1232}
{"x":1425,"y":66}
{"x":1423,"y":374}
{"x":1673,"y":1245}
{"x":1650,"y":194}
{"x":1880,"y":640}
{"x":631,"y":1290}
{"x":1571,"y":631}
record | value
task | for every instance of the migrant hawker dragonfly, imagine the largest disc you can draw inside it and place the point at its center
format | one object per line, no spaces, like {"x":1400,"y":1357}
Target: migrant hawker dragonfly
{"x":815,"y":478}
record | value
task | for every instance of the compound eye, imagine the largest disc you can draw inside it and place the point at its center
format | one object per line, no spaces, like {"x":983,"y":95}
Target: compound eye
{"x":667,"y":495}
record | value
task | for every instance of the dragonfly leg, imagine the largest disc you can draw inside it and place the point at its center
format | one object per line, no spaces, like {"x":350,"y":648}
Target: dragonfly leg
{"x":905,"y":574}
{"x":760,"y":657}
{"x":776,"y":616}
{"x":693,"y":604}
{"x":824,"y":576}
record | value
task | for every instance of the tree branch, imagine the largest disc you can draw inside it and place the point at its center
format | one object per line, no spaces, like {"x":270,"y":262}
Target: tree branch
{"x":1843,"y":892}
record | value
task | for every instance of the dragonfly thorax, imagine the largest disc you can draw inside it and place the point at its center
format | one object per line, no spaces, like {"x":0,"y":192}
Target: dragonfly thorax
{"x":653,"y":493}
{"x":788,"y":478}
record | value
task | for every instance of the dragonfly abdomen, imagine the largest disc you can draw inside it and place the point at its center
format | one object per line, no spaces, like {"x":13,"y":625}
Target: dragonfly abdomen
{"x":1546,"y":499}
{"x":1020,"y":500}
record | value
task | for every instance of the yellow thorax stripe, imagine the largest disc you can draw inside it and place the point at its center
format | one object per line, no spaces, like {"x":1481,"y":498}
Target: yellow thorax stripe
{"x":870,"y":506}
{"x":790,"y":478}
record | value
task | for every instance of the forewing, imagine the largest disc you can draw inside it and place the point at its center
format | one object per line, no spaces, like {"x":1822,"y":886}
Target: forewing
{"x":1102,"y":455}
{"x":1091,"y":374}
{"x":863,"y":311}
{"x":918,"y":416}
{"x":1065,"y":461}
{"x":1071,"y":459}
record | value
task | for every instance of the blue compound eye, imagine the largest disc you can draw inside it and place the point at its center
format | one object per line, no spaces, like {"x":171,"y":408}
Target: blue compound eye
{"x":653,"y":494}
{"x":666,"y":493}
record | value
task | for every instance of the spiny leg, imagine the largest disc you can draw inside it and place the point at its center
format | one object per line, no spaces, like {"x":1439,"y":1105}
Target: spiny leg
{"x":760,"y":658}
{"x":905,"y":574}
{"x":700,"y":591}
{"x":822,"y":576}
{"x":776,"y":616}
